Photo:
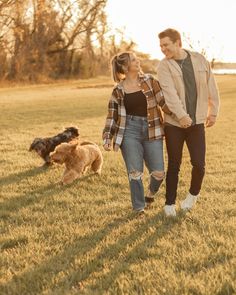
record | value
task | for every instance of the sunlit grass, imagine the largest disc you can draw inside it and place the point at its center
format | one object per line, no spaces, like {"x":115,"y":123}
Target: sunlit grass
{"x":83,"y":238}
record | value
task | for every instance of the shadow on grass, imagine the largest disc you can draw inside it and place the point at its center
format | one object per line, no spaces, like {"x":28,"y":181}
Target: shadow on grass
{"x":138,"y":254}
{"x":22,"y":175}
{"x":24,"y":200}
{"x":32,"y":197}
{"x":43,"y":275}
{"x":227,"y":289}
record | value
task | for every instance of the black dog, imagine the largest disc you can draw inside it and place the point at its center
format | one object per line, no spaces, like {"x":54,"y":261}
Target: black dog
{"x":44,"y":146}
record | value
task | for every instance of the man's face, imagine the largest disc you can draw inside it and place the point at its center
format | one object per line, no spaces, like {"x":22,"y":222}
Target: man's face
{"x":169,"y":48}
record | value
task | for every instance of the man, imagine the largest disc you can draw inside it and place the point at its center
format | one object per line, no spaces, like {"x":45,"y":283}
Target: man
{"x":191,"y":94}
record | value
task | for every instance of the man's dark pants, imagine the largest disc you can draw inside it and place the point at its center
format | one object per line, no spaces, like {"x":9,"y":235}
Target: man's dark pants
{"x":194,"y":137}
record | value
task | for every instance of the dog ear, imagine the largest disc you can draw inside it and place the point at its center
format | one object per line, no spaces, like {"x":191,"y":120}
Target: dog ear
{"x":73,"y":129}
{"x":73,"y":144}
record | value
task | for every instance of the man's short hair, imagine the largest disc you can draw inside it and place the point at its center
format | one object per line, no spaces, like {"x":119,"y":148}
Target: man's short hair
{"x":173,"y":34}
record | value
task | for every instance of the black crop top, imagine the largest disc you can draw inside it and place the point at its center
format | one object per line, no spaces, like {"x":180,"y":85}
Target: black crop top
{"x":135,"y":104}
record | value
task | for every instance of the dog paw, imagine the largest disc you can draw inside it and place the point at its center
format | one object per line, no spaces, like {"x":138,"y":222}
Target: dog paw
{"x":65,"y":182}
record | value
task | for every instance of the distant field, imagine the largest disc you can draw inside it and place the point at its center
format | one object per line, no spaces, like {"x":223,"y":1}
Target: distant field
{"x":83,"y":238}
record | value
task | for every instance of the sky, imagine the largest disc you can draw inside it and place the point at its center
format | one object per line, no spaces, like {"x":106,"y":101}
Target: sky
{"x":208,"y":24}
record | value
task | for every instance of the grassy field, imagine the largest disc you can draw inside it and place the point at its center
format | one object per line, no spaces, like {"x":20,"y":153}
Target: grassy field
{"x":83,"y":238}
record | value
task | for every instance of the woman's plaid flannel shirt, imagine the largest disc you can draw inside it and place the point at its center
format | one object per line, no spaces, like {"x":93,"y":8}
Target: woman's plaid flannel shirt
{"x":116,"y":117}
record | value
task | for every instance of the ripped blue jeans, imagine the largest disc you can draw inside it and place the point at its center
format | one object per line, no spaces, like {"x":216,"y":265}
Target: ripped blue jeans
{"x":136,"y":149}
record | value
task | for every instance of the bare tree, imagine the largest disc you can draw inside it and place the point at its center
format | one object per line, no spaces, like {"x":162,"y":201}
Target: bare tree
{"x":198,"y":46}
{"x":42,"y":32}
{"x":55,"y":38}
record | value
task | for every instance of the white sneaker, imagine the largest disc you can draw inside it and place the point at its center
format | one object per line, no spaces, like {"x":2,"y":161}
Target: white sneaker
{"x":170,"y":210}
{"x":189,"y":202}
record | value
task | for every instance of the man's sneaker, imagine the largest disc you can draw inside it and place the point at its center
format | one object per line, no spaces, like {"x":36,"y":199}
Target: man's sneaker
{"x":170,"y":210}
{"x":189,"y":202}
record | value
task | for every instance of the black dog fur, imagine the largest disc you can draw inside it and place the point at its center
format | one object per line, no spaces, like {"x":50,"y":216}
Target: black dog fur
{"x":44,"y":146}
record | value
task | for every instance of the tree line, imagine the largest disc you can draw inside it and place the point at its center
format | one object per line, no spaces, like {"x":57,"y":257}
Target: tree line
{"x":56,"y":39}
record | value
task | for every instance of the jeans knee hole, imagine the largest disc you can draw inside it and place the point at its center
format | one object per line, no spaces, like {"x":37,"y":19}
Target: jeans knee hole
{"x":158,"y":175}
{"x":135,"y":175}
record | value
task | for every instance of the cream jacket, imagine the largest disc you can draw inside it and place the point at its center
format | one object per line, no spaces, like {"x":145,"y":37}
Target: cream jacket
{"x":171,"y":80}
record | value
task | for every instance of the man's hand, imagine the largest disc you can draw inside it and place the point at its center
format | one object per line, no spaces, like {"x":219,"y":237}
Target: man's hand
{"x":107,"y":147}
{"x":210,"y":121}
{"x":185,"y":122}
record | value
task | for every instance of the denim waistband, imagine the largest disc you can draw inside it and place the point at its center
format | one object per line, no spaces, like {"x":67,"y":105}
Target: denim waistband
{"x":136,"y":118}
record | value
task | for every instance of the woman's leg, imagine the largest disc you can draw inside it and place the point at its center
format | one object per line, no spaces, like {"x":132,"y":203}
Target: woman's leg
{"x":153,"y":156}
{"x":132,"y":152}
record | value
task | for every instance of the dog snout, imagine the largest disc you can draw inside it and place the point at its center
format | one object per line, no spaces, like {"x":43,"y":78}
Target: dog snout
{"x":54,"y":157}
{"x":51,"y":156}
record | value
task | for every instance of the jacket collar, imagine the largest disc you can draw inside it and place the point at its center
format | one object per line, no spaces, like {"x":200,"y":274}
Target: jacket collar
{"x":174,"y":63}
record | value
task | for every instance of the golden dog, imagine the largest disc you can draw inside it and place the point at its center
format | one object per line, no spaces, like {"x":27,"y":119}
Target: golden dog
{"x":77,"y":158}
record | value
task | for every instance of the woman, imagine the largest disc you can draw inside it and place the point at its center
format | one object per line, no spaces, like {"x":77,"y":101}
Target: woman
{"x":134,"y":124}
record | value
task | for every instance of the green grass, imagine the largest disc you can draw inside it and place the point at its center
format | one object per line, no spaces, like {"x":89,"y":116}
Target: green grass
{"x":83,"y":238}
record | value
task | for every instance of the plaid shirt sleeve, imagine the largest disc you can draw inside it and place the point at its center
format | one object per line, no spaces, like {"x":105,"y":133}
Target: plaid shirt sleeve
{"x":160,"y":97}
{"x":111,"y":120}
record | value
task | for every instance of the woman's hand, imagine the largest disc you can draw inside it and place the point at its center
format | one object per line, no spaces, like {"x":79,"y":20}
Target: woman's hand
{"x":185,"y":122}
{"x":107,"y":147}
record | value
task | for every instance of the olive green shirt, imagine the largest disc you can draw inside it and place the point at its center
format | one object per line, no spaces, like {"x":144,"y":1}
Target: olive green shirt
{"x":190,"y":86}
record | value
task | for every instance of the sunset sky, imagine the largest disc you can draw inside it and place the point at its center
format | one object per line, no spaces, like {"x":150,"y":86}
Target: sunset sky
{"x":209,"y":24}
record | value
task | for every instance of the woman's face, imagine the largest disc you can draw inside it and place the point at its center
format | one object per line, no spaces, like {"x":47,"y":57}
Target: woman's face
{"x":134,"y":64}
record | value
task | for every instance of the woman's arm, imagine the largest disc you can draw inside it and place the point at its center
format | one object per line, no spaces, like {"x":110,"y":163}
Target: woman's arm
{"x":111,"y":121}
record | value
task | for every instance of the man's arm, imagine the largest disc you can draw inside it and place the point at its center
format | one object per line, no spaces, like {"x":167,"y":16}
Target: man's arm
{"x":213,"y":98}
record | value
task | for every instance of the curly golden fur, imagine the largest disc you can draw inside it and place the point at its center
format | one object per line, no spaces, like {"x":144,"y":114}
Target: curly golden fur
{"x":77,"y":159}
{"x":44,"y":146}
